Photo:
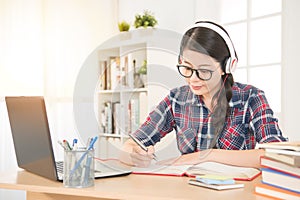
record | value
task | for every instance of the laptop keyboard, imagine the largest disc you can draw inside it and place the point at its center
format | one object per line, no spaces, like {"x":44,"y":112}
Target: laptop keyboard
{"x":60,"y":166}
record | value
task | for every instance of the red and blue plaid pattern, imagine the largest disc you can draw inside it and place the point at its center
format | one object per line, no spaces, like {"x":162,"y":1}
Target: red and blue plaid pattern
{"x":250,"y":121}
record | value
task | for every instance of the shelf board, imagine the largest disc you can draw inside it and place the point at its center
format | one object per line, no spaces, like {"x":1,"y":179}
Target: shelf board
{"x":108,"y":91}
{"x":136,"y":90}
{"x":123,"y":90}
{"x":110,"y":135}
{"x":113,"y":135}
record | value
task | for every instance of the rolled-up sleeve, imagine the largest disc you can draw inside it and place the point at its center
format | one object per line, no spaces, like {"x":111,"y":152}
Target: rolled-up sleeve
{"x":264,"y":124}
{"x":159,"y":122}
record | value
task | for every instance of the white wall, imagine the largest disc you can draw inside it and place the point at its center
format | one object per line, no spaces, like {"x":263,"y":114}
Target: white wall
{"x":290,"y":68}
{"x":72,"y":30}
{"x":207,"y":10}
{"x":170,"y":14}
{"x":67,"y":31}
{"x":43,"y":44}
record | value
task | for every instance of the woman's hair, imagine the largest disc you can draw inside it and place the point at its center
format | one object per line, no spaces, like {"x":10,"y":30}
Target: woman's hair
{"x":206,"y":41}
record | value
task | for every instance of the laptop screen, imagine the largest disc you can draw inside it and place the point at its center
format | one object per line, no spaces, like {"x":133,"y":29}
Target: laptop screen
{"x":31,"y":135}
{"x":32,"y":139}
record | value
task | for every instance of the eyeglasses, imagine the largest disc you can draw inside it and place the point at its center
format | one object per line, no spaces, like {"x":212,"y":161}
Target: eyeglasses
{"x":202,"y":74}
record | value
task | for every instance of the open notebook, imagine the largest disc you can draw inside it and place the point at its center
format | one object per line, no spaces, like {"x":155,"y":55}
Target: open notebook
{"x":206,"y":168}
{"x":32,"y":139}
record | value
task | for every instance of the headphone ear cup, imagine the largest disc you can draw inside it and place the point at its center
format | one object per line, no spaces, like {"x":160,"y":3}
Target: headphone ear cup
{"x":230,"y":65}
{"x":227,"y":66}
{"x":233,"y":65}
{"x":227,"y":63}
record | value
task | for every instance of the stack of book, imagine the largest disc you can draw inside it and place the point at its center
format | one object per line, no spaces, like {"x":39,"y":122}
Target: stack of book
{"x":117,"y":72}
{"x":280,"y":170}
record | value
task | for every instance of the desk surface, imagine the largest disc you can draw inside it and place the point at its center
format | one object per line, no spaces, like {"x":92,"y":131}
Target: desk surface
{"x":126,"y":187}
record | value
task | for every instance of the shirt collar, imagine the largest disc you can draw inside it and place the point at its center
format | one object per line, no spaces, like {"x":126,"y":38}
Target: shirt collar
{"x":194,"y":99}
{"x":235,"y":102}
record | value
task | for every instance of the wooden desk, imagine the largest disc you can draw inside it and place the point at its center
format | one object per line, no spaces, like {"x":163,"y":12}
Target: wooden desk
{"x":126,"y":187}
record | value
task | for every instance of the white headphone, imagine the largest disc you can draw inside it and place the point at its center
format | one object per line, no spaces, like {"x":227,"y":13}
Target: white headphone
{"x":232,"y":60}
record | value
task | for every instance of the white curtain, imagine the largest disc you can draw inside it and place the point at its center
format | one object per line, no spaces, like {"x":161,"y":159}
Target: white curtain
{"x":43,"y":44}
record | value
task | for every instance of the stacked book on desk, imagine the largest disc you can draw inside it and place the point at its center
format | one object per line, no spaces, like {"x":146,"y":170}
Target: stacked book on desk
{"x":280,"y":170}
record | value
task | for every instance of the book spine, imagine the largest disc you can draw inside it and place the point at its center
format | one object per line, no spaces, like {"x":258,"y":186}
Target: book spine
{"x":108,"y":117}
{"x":275,"y":192}
{"x":279,"y":166}
{"x":102,"y":81}
{"x":289,"y":159}
{"x":281,"y":180}
{"x":116,"y":117}
{"x":115,"y":73}
{"x":130,"y":71}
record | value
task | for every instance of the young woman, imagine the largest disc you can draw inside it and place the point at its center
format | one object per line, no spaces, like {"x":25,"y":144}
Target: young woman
{"x":215,"y":118}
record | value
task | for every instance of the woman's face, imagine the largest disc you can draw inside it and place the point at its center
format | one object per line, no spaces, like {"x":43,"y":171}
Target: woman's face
{"x":202,"y":63}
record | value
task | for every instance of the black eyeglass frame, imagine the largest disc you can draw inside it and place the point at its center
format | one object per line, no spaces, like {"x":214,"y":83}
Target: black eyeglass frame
{"x":197,"y":71}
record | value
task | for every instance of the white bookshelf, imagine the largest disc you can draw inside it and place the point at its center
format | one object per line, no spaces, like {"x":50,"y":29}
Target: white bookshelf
{"x":158,"y":48}
{"x":121,"y":94}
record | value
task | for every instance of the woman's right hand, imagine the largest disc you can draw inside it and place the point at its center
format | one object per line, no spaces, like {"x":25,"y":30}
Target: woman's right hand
{"x":140,"y":157}
{"x":133,"y":154}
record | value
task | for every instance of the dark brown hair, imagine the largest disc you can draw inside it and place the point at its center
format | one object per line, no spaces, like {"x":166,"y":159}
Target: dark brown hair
{"x":207,"y":41}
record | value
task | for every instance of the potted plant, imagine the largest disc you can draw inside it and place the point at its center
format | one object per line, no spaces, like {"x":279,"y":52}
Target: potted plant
{"x":145,"y":20}
{"x":123,"y":26}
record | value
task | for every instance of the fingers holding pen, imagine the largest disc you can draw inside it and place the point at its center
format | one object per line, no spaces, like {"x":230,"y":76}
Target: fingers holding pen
{"x":151,"y":151}
{"x":142,"y":158}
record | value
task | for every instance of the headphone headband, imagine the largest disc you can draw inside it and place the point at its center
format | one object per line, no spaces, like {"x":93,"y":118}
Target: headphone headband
{"x":232,"y":61}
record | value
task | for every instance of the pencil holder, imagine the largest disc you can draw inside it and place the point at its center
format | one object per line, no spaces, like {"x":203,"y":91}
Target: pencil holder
{"x":78,"y":168}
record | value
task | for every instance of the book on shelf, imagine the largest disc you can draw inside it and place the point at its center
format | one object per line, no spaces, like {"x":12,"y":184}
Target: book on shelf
{"x":116,"y":118}
{"x":206,"y":168}
{"x":111,"y":117}
{"x":124,"y":69}
{"x":107,"y":117}
{"x":115,"y":73}
{"x":216,"y":186}
{"x":280,"y":179}
{"x":102,"y":73}
{"x":127,"y":65}
{"x":292,"y":146}
{"x":108,"y":77}
{"x":267,"y":162}
{"x":275,"y":192}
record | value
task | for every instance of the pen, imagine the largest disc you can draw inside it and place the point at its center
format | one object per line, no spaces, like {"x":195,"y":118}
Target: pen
{"x":91,"y":146}
{"x":140,"y":144}
{"x":61,"y":144}
{"x":74,"y":145}
{"x":88,"y":142}
{"x":67,"y":145}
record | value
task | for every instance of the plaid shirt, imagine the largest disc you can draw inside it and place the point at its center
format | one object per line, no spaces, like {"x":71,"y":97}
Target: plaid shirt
{"x":250,"y":121}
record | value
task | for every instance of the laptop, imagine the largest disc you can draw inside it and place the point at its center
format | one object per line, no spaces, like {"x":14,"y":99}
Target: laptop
{"x":32,"y":140}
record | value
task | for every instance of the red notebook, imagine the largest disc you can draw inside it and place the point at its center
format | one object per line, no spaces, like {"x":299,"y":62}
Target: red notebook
{"x":206,"y":168}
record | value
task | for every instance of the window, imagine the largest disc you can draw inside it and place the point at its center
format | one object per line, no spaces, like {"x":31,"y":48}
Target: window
{"x":255,"y":28}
